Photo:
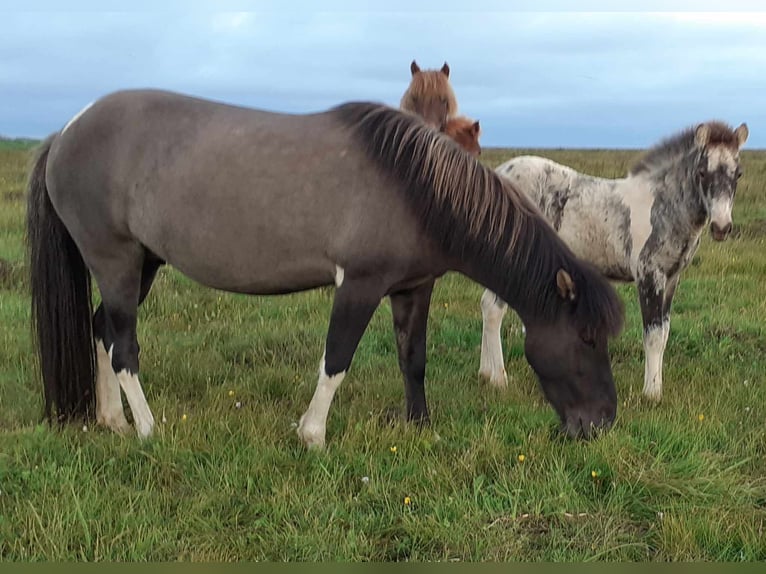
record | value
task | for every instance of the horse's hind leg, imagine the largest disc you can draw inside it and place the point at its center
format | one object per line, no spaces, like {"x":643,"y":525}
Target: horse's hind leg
{"x":410,"y":311}
{"x":492,"y":365}
{"x":353,"y":307}
{"x":114,"y":329}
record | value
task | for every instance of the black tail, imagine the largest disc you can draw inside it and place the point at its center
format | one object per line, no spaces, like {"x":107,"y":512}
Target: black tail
{"x":62,"y":308}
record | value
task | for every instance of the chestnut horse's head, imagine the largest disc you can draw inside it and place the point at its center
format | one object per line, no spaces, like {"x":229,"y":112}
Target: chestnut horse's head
{"x":465,"y":132}
{"x":430,"y":95}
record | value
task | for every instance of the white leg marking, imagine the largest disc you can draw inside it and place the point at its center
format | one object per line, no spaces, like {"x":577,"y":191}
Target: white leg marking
{"x":654,"y":347}
{"x":142,"y":416}
{"x":76,"y":117}
{"x":339,"y":274}
{"x":313,"y":424}
{"x":109,"y":411}
{"x":492,"y":366}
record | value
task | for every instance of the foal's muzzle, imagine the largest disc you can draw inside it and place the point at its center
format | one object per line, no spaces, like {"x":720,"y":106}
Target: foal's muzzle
{"x":720,"y":233}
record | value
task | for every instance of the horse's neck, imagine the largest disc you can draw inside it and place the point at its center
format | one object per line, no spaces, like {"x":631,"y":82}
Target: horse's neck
{"x":673,"y":189}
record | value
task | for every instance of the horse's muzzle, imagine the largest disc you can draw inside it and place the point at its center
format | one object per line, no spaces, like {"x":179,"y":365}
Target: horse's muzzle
{"x":720,"y":233}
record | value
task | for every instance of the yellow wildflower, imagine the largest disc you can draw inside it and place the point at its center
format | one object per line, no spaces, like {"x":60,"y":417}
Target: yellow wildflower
{"x":231,"y":393}
{"x":393,"y":449}
{"x":183,"y":417}
{"x":700,"y":417}
{"x":407,"y":501}
{"x":521,"y":458}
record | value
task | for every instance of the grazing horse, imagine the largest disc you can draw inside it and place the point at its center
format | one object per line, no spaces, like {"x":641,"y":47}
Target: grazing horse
{"x":361,"y":196}
{"x":644,"y":228}
{"x":465,"y":132}
{"x":430,"y":95}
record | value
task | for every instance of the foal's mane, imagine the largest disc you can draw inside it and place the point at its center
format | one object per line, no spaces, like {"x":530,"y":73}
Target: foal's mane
{"x":429,"y":84}
{"x":480,"y":218}
{"x":681,"y":144}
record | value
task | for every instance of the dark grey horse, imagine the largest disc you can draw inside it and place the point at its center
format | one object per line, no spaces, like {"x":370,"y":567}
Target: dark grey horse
{"x":362,"y":196}
{"x":643,"y":228}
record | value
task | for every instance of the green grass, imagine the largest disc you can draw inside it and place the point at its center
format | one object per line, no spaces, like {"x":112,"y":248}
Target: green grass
{"x":233,"y":483}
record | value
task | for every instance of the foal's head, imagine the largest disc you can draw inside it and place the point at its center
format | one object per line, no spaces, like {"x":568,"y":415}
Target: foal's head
{"x":718,"y":171}
{"x":569,"y":352}
{"x":465,"y":132}
{"x":430,"y":95}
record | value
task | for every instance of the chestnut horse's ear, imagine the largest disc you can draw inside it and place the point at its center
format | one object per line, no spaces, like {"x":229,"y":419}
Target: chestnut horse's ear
{"x":445,"y":69}
{"x":702,"y":135}
{"x":414,"y":68}
{"x":565,"y":285}
{"x":476,"y":128}
{"x":742,"y":132}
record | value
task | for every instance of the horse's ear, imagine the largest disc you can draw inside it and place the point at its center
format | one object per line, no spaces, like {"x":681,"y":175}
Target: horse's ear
{"x":445,"y":69}
{"x":414,"y":68}
{"x":702,"y":135}
{"x":565,"y":285}
{"x":476,"y":128}
{"x":742,"y":132}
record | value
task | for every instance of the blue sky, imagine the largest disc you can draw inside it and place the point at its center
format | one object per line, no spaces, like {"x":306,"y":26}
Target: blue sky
{"x":533,"y":79}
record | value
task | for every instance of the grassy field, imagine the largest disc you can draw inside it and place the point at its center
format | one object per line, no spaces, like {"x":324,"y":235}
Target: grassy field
{"x":225,"y":478}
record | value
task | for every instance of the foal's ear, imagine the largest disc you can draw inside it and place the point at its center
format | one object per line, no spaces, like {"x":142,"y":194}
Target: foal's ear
{"x":414,"y":68}
{"x":445,"y":69}
{"x":702,"y":135}
{"x":476,"y":128}
{"x":742,"y":132}
{"x":565,"y":285}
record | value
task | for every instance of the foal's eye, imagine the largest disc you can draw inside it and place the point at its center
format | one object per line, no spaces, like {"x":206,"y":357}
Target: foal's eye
{"x":738,"y":173}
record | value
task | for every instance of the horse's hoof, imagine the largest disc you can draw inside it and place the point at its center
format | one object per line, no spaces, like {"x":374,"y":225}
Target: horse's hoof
{"x":654,"y":395}
{"x":118,"y":424}
{"x":312,"y":438}
{"x":495,"y":379}
{"x":145,"y":428}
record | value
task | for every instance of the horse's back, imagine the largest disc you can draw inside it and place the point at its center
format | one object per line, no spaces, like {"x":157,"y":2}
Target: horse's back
{"x":588,"y":213}
{"x":236,"y":198}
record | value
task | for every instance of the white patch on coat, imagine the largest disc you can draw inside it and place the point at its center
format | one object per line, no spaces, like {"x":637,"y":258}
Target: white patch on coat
{"x":586,"y":225}
{"x":142,"y":415}
{"x":655,"y":339}
{"x":109,"y":411}
{"x":492,"y":365}
{"x":339,"y":275}
{"x":637,"y":196}
{"x":313,"y":424}
{"x":76,"y":117}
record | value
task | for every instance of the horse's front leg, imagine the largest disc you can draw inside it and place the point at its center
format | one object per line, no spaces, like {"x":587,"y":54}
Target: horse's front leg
{"x":410,"y":312}
{"x":652,"y":296}
{"x":492,"y":366}
{"x":354,"y":304}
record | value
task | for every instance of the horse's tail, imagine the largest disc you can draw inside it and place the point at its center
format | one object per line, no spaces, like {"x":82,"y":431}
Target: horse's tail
{"x":62,"y":308}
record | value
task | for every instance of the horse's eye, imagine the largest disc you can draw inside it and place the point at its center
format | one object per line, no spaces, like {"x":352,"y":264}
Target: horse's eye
{"x":738,"y":173}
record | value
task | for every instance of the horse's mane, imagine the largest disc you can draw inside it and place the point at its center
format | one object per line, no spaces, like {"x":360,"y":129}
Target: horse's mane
{"x":480,"y":218}
{"x":429,"y":84}
{"x":682,"y":143}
